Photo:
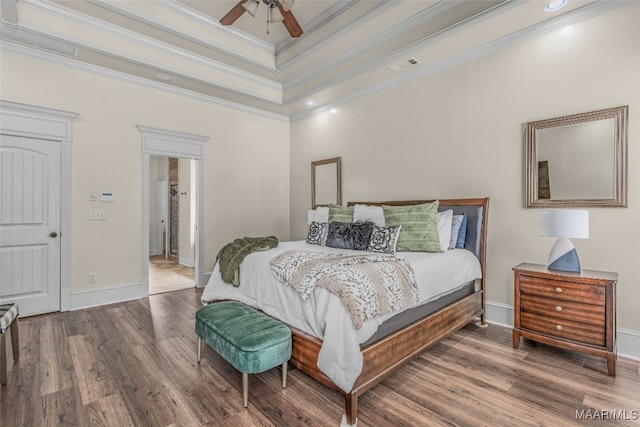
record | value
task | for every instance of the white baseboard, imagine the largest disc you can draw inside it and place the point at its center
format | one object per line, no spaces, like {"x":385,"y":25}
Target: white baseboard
{"x":96,"y":297}
{"x":187,"y":262}
{"x":628,"y":340}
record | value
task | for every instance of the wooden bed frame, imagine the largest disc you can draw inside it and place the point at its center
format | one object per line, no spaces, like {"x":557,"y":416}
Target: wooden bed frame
{"x":384,"y":357}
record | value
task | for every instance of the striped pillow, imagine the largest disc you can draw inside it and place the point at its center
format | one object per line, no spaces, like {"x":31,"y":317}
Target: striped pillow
{"x":419,"y":231}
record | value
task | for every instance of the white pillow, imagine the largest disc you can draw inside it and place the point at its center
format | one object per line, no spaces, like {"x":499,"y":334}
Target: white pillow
{"x":444,"y":228}
{"x":322,"y":214}
{"x":374,"y":214}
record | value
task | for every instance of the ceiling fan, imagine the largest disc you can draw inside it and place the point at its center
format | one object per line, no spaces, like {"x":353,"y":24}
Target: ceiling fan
{"x":279,"y":11}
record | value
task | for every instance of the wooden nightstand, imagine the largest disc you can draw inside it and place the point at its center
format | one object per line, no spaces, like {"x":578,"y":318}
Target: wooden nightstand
{"x":574,"y":311}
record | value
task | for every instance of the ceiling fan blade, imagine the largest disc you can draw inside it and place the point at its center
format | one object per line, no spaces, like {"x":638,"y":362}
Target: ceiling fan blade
{"x":290,"y":22}
{"x":235,"y":13}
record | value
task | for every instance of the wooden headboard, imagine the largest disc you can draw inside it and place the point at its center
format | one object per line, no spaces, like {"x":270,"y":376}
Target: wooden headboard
{"x":477,"y":214}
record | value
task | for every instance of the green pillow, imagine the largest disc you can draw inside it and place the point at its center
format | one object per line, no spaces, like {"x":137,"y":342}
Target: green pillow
{"x":340,"y":213}
{"x":419,"y":231}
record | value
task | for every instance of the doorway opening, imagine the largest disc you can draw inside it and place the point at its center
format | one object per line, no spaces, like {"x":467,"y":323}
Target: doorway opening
{"x":172,"y":203}
{"x":189,"y":147}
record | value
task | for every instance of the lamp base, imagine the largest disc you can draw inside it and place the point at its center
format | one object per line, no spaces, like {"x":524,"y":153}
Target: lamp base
{"x":563,"y":256}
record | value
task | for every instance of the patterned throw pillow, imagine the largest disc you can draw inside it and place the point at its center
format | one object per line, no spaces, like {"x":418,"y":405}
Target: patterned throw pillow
{"x":349,"y":235}
{"x":384,"y":239}
{"x":419,"y":226}
{"x":318,"y":233}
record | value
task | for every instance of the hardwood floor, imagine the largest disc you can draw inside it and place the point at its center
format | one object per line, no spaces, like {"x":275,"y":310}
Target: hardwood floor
{"x":134,"y":364}
{"x":166,"y":275}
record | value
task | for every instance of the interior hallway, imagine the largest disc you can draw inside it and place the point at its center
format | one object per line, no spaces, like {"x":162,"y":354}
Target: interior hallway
{"x":167,"y":275}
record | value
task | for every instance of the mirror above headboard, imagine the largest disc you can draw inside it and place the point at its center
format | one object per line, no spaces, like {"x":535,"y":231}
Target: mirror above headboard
{"x":578,"y":160}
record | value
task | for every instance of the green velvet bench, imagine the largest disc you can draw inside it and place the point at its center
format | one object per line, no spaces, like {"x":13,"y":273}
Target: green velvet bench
{"x":9,"y":314}
{"x":250,"y":341}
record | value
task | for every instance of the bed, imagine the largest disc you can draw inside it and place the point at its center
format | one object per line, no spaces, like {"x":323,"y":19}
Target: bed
{"x":353,"y":361}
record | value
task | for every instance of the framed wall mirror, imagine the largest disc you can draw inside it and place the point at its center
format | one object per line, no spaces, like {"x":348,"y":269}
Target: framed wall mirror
{"x":578,"y":160}
{"x":326,"y":183}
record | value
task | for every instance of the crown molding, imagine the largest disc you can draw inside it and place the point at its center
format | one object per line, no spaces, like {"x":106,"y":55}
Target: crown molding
{"x":139,"y":39}
{"x":342,"y":32}
{"x":317,"y":23}
{"x":196,"y":16}
{"x":35,"y":36}
{"x":577,"y":15}
{"x":371,"y":43}
{"x":120,"y":8}
{"x":123,"y":77}
{"x":114,"y":30}
{"x":21,"y":35}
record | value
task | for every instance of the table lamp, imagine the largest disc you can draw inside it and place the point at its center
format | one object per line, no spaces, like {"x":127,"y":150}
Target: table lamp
{"x":564,"y":224}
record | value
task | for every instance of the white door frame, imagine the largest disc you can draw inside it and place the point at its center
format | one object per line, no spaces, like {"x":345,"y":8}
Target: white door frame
{"x":48,"y":124}
{"x":162,"y":142}
{"x":161,"y":227}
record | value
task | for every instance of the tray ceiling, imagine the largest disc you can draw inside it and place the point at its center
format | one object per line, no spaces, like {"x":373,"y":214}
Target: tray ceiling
{"x":348,"y":48}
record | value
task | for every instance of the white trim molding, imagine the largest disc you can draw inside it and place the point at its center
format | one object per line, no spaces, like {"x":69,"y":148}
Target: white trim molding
{"x":32,"y":121}
{"x":95,"y":297}
{"x":168,"y":143}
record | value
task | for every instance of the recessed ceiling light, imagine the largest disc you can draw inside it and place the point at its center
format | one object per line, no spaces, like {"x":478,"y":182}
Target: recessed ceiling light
{"x":310,"y":102}
{"x":334,"y":111}
{"x":164,"y":77}
{"x":554,"y":5}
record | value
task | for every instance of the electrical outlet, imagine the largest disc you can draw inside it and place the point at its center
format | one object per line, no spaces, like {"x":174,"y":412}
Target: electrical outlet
{"x":92,"y":278}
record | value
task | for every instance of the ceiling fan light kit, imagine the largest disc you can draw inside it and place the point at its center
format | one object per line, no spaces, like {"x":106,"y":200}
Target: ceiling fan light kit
{"x":251,"y":6}
{"x":279,"y":11}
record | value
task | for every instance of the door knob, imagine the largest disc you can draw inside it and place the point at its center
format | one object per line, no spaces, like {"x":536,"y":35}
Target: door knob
{"x":53,"y":234}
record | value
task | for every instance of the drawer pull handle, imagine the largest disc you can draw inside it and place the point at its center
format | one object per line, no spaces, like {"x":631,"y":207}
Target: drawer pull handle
{"x":559,"y":327}
{"x":558,"y":308}
{"x":558,"y":289}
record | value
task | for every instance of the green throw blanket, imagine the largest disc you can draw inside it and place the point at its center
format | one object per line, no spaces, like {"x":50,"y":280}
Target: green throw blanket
{"x":232,"y":254}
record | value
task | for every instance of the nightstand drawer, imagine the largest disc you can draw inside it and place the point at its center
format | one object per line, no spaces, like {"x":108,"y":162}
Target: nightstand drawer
{"x":568,"y":291}
{"x":575,"y":331}
{"x":562,"y":309}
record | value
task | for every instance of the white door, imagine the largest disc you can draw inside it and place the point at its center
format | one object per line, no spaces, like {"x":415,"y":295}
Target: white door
{"x":30,"y":224}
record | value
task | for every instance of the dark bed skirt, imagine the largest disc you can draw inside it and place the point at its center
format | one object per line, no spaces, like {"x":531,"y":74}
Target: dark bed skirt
{"x":414,"y":314}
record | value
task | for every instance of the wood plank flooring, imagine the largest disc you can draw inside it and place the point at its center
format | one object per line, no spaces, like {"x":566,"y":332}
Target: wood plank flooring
{"x":133,"y":364}
{"x":166,"y":275}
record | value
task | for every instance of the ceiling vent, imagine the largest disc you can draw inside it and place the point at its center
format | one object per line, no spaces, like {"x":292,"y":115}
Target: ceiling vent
{"x":404,"y":64}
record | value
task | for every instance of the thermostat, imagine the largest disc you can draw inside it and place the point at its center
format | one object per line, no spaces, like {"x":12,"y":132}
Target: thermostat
{"x":106,"y":197}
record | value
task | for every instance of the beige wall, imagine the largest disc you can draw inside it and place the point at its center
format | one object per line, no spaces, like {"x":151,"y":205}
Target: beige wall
{"x":246,"y":164}
{"x":459,"y":133}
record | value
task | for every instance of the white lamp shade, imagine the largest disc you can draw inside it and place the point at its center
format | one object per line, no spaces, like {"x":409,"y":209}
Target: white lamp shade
{"x":251,"y":6}
{"x":571,"y":223}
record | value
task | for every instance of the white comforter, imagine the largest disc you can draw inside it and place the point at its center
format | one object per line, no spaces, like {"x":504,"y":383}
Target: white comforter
{"x":323,"y":315}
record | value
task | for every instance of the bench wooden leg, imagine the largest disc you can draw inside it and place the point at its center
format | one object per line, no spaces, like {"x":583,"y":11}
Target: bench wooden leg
{"x":245,"y":389}
{"x":284,"y":374}
{"x":15,"y":340}
{"x":3,"y":358}
{"x":199,"y":348}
